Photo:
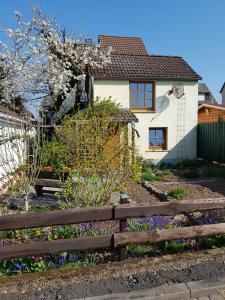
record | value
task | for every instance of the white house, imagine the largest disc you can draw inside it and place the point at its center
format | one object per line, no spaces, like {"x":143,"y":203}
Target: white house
{"x":143,"y":83}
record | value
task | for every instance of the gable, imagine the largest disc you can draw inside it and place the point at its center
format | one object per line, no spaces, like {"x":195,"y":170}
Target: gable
{"x":123,"y":45}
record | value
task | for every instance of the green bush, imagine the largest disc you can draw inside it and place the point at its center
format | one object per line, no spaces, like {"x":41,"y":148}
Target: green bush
{"x":148,"y":176}
{"x":191,"y":172}
{"x":148,"y":165}
{"x":178,"y":193}
{"x":211,"y":171}
{"x":187,"y":163}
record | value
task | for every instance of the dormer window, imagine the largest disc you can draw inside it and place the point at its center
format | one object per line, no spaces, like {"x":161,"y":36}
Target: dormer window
{"x":142,"y":95}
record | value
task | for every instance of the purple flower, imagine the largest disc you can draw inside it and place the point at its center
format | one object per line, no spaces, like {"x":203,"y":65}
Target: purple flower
{"x":145,"y":221}
{"x":18,"y":266}
{"x":61,"y":261}
{"x":207,"y":221}
{"x":96,"y":229}
{"x":85,"y":226}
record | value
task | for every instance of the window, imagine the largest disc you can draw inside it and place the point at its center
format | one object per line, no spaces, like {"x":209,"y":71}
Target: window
{"x":142,"y":95}
{"x":158,"y":138}
{"x":201,"y":97}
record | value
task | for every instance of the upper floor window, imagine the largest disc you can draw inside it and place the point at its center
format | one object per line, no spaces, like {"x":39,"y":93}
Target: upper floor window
{"x":141,"y":95}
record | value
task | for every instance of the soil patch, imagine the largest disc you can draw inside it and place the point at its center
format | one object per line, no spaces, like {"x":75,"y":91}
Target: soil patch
{"x":139,"y":194}
{"x":203,"y":190}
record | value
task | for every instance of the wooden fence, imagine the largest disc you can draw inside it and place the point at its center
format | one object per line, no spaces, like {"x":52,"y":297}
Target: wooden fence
{"x":211,"y":141}
{"x":105,"y":213}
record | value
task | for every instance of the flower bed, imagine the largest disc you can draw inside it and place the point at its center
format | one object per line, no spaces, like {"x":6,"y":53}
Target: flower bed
{"x":48,"y":262}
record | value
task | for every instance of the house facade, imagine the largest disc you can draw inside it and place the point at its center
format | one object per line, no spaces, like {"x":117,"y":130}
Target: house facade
{"x":144,"y":84}
{"x":222,"y":92}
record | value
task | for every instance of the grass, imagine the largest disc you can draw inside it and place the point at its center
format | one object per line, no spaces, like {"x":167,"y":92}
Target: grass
{"x":178,"y":193}
{"x":152,"y":172}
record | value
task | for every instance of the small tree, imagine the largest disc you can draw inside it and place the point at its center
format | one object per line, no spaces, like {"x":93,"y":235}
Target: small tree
{"x":96,"y":149}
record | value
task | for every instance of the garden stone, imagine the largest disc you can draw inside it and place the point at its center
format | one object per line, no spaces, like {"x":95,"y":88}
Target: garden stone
{"x":180,"y":218}
{"x":32,"y":193}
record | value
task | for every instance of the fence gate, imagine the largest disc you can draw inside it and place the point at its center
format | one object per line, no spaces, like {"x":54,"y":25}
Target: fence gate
{"x":211,"y":141}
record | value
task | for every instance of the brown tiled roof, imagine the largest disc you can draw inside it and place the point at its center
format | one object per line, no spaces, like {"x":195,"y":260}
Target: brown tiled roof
{"x":123,"y":45}
{"x":125,"y":115}
{"x":146,"y":67}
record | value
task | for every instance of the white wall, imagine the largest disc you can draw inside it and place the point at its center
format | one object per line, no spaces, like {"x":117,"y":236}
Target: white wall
{"x":179,"y":116}
{"x":12,"y":148}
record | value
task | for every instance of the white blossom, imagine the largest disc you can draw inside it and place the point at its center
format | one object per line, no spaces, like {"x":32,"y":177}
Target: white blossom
{"x":37,"y":58}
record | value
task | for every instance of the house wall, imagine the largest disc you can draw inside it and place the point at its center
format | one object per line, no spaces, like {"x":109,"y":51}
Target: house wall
{"x":178,"y":116}
{"x":12,"y":149}
{"x":223,"y":96}
{"x":210,"y":115}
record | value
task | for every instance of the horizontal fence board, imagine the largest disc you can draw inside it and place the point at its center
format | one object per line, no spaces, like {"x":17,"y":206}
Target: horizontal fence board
{"x":57,"y":217}
{"x":167,"y":208}
{"x":57,"y":246}
{"x":123,"y":239}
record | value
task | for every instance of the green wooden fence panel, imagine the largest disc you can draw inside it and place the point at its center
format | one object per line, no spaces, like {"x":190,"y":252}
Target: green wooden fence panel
{"x":211,"y":141}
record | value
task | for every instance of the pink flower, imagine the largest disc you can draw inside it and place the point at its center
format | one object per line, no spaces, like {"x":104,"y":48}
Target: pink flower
{"x":36,"y":259}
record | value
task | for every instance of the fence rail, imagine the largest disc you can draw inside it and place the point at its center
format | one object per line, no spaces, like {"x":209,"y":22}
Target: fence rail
{"x":106,"y":213}
{"x":211,"y":141}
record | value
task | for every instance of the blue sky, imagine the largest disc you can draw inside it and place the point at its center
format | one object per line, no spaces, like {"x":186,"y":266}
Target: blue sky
{"x":193,"y":29}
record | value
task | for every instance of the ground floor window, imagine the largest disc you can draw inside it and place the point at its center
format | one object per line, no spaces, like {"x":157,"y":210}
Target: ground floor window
{"x":158,"y":138}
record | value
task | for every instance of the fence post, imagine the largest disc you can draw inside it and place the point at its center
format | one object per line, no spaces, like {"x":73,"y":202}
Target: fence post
{"x":123,"y":227}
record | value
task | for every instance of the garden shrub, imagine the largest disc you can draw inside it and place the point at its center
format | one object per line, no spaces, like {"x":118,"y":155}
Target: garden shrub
{"x":178,"y":193}
{"x":211,"y":171}
{"x":95,"y":148}
{"x":153,"y":172}
{"x":148,"y":176}
{"x":191,"y":172}
{"x":187,"y":163}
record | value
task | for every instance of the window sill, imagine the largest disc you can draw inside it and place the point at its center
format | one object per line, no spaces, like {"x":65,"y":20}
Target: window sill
{"x":142,"y":110}
{"x":157,"y":150}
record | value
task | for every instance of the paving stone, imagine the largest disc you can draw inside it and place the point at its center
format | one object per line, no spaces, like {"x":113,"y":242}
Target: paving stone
{"x":216,"y":296}
{"x":203,"y":287}
{"x":177,"y":291}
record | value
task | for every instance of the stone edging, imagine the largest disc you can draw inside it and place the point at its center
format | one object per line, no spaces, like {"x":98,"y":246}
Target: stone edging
{"x":163,"y":196}
{"x":214,"y":288}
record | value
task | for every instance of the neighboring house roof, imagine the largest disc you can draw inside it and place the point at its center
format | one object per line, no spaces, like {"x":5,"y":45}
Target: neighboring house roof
{"x":209,"y":98}
{"x":222,"y":87}
{"x":130,"y":60}
{"x":203,"y":89}
{"x":123,"y":45}
{"x":216,"y":106}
